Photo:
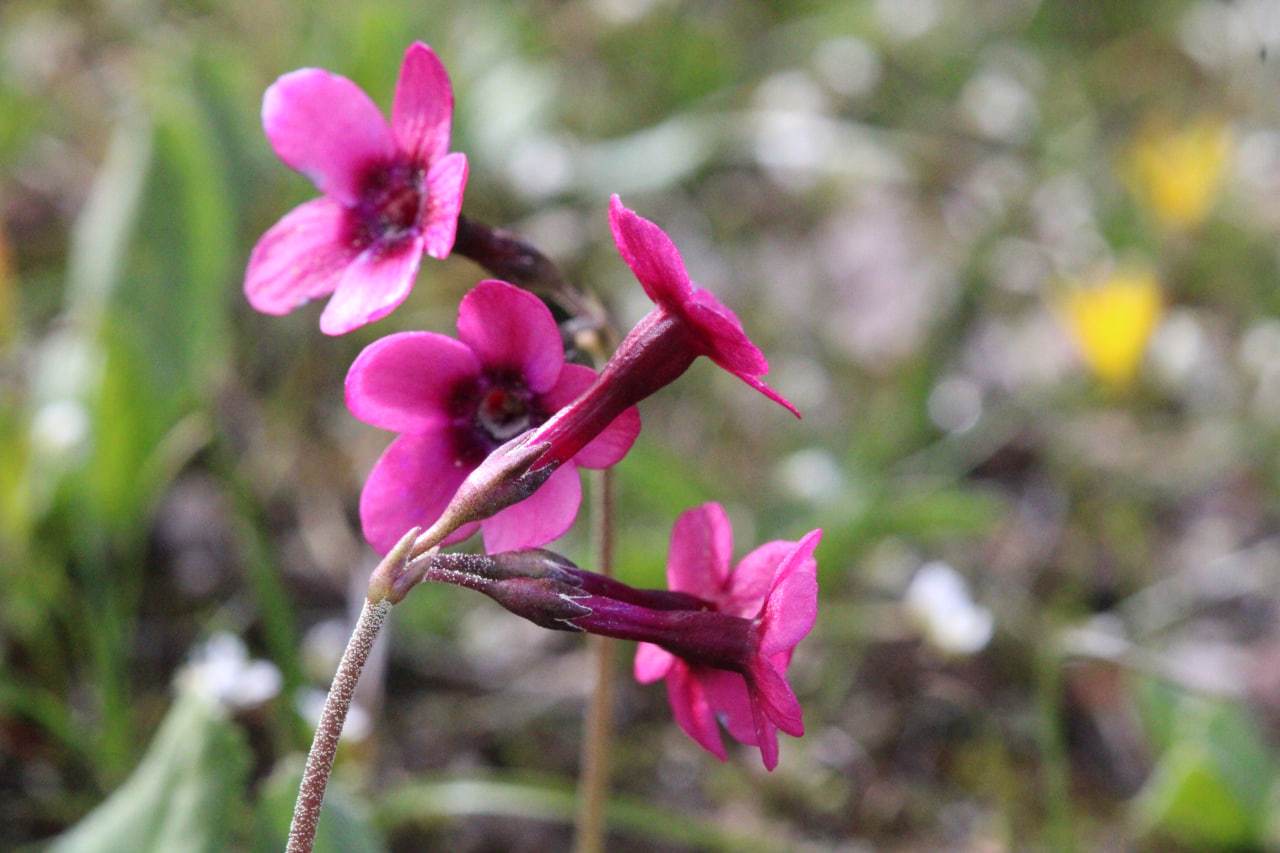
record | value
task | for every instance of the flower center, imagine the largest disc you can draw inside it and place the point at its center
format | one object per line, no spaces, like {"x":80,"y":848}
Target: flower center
{"x":391,"y":202}
{"x":503,"y":414}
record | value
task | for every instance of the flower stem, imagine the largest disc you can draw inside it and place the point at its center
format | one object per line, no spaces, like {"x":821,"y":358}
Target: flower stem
{"x":507,"y":256}
{"x":593,"y":785}
{"x":384,"y":592}
{"x":315,"y":778}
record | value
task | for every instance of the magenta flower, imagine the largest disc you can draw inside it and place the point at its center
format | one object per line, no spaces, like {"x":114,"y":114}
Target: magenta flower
{"x":456,"y":401}
{"x":775,"y":587}
{"x":723,"y":639}
{"x":686,"y":322}
{"x":390,"y":192}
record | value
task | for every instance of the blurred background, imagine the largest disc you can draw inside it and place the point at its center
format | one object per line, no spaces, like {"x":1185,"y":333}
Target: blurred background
{"x":1016,"y":261}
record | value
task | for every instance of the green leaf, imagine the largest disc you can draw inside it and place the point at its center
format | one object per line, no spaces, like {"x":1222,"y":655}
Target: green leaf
{"x":181,"y":794}
{"x":1211,"y":787}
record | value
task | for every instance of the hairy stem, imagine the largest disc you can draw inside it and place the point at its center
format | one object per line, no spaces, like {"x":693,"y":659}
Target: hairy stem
{"x":383,"y":588}
{"x":593,"y":784}
{"x":306,"y":814}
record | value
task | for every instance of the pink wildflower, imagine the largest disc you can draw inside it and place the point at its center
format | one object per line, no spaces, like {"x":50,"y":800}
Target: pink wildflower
{"x":456,"y":401}
{"x":686,"y":322}
{"x":390,"y":192}
{"x":775,"y":587}
{"x":723,"y":642}
{"x":723,"y":639}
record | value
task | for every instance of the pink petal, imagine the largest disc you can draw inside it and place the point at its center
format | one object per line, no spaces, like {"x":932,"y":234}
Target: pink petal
{"x":445,"y":182}
{"x":652,"y":663}
{"x":726,"y":343}
{"x":653,"y":258}
{"x":371,"y":288}
{"x":701,"y":547}
{"x":511,"y":329}
{"x":728,"y":346}
{"x":409,"y":487}
{"x":775,"y":696}
{"x":406,"y":382}
{"x":325,"y":127}
{"x":766,"y":736}
{"x":727,"y":693}
{"x":789,"y":612}
{"x":614,"y":441}
{"x":770,"y":393}
{"x":753,"y":578}
{"x":538,"y":519}
{"x":302,"y":257}
{"x":423,"y":107}
{"x":692,"y":711}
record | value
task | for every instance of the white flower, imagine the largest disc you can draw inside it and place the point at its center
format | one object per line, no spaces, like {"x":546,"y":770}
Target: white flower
{"x":222,"y":672}
{"x":937,"y":603}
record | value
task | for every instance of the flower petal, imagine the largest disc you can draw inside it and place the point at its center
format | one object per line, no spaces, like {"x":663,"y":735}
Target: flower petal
{"x":770,"y":689}
{"x":727,"y":693}
{"x":510,"y":329}
{"x":423,"y":109}
{"x":410,"y":485}
{"x":439,"y":225}
{"x":325,"y":127}
{"x":539,"y":518}
{"x":301,"y":257}
{"x":615,"y":440}
{"x":407,"y":382}
{"x":701,"y":547}
{"x":692,"y":711}
{"x":652,"y":663}
{"x":753,"y":578}
{"x":371,"y":288}
{"x":728,"y":346}
{"x":722,"y":335}
{"x":766,"y":736}
{"x":789,"y":612}
{"x":649,"y":252}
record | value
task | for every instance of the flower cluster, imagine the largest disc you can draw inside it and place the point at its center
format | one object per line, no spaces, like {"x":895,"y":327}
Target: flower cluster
{"x":493,"y":424}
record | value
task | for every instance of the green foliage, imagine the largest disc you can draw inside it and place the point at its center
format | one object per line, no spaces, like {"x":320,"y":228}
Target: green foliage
{"x":184,"y":793}
{"x":892,"y":196}
{"x":1212,"y":785}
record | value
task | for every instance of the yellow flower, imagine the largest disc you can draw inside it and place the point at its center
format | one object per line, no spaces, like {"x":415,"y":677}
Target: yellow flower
{"x":1112,"y":322}
{"x":1176,"y":172}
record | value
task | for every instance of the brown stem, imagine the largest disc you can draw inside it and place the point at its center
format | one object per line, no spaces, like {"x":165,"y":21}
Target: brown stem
{"x":506,"y":256}
{"x":593,"y":786}
{"x":315,"y":778}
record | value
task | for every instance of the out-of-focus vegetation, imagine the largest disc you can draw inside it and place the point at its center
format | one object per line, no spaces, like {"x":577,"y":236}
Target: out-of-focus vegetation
{"x":1016,"y":261}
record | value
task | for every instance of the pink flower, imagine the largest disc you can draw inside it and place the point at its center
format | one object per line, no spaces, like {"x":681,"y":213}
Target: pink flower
{"x":456,"y":401}
{"x":686,"y":322}
{"x":723,"y":639}
{"x":775,"y":587}
{"x":390,"y":192}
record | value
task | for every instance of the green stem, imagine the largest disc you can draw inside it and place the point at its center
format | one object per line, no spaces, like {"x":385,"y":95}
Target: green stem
{"x":593,"y":787}
{"x":1055,"y":763}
